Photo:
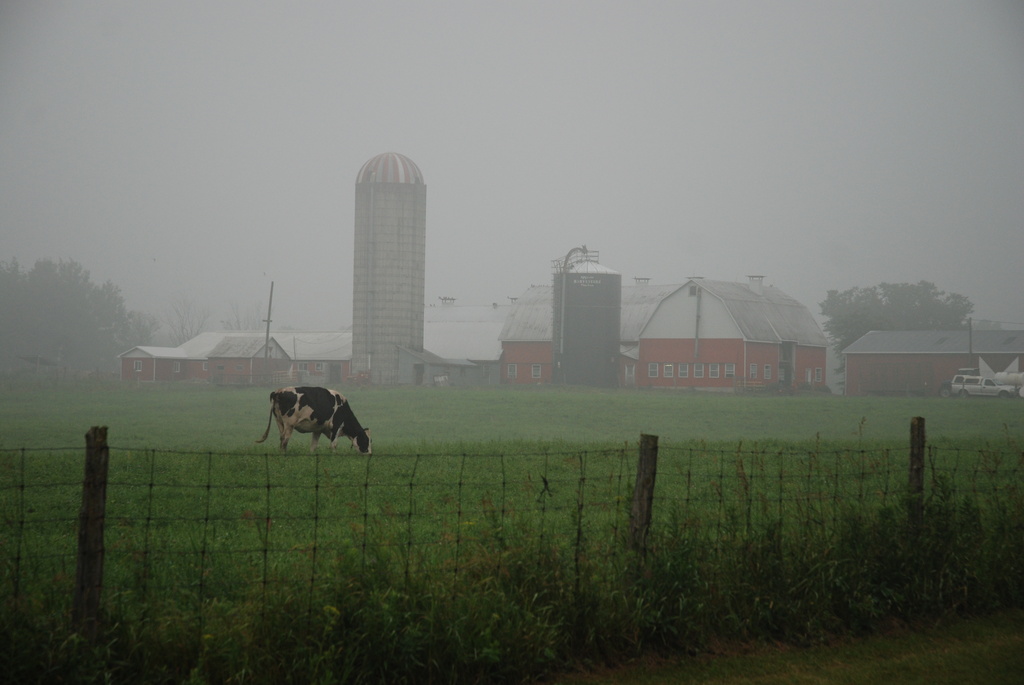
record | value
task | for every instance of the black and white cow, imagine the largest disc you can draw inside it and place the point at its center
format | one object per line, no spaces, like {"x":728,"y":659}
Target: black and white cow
{"x":317,"y":411}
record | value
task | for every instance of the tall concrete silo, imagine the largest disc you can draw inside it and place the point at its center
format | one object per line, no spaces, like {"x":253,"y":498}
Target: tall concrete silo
{"x":586,"y":313}
{"x":390,"y":265}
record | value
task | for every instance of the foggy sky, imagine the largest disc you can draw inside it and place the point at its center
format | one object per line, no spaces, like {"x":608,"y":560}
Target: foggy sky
{"x":206,"y":148}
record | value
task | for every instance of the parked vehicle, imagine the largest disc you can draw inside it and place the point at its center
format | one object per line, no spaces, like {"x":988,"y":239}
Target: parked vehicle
{"x":978,"y":386}
{"x":946,"y":389}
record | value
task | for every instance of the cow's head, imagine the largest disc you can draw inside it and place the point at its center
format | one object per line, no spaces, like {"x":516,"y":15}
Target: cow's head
{"x":362,"y":442}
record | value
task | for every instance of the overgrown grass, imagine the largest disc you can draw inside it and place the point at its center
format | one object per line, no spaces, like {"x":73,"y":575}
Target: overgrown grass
{"x":473,"y":549}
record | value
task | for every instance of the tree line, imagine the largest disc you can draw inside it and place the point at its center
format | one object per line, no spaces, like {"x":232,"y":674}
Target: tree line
{"x":54,"y":315}
{"x":921,"y":306}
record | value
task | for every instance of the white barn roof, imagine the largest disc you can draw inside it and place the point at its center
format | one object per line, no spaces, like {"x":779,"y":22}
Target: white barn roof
{"x":765,"y":313}
{"x":639,"y":302}
{"x":938,"y":342}
{"x":761,"y":313}
{"x":464,"y":331}
{"x":154,"y":351}
{"x":530,"y":316}
{"x":315,"y":345}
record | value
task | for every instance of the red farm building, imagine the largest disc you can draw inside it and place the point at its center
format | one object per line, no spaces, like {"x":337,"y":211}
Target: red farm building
{"x":711,"y":335}
{"x":245,"y":357}
{"x":917,"y":362}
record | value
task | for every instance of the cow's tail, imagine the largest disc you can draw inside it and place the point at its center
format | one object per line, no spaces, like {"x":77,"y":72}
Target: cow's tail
{"x":269,"y":419}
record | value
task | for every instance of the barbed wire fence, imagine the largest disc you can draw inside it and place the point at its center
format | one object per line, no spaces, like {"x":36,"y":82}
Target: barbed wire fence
{"x":197,"y":527}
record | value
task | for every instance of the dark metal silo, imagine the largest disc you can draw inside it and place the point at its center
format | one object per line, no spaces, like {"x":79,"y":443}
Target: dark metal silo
{"x":586,"y":313}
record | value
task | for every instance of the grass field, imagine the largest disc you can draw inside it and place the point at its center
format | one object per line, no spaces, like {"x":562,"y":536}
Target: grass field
{"x":209,"y":418}
{"x":487,"y":527}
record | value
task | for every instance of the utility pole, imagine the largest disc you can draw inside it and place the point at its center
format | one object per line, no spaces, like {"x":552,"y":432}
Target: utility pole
{"x":266,"y":340}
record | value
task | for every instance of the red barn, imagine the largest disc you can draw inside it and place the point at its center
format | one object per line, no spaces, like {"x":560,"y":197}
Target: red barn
{"x":713,"y":335}
{"x":526,"y":338}
{"x":238,"y":357}
{"x":917,"y":362}
{"x":719,"y":335}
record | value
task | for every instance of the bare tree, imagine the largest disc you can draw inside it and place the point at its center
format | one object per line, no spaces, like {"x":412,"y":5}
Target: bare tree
{"x":243,"y":318}
{"x":186,"y":318}
{"x":139,"y":328}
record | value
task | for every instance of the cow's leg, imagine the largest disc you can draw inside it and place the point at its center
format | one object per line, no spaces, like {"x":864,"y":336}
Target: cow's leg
{"x":280,"y":431}
{"x":314,"y":441}
{"x":286,"y":434}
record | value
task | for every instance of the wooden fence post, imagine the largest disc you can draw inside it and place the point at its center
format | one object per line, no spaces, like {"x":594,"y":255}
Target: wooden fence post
{"x":643,"y":493}
{"x":915,"y":491}
{"x":85,"y":604}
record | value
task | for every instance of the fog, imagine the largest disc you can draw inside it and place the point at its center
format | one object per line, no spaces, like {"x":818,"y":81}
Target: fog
{"x":204,"y":149}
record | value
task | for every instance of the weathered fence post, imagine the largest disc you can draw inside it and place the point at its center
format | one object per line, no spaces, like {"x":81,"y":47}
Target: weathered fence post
{"x":643,"y":493}
{"x":85,"y":605}
{"x":915,"y":491}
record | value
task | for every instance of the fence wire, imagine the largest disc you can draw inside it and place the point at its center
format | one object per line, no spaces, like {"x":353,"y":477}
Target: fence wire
{"x":198,"y":527}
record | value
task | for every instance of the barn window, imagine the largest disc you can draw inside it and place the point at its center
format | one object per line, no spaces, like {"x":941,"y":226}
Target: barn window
{"x":693,"y":290}
{"x":753,"y":371}
{"x":303,"y":366}
{"x":535,"y":371}
{"x":319,"y":367}
{"x":511,"y":370}
{"x":652,"y":370}
{"x":730,"y":371}
{"x":239,"y":367}
{"x":698,"y":370}
{"x":669,"y":369}
{"x":138,"y":365}
{"x":177,"y":367}
{"x":714,"y":369}
{"x":684,"y":370}
{"x":206,"y":366}
{"x":817,"y":375}
{"x":767,"y":372}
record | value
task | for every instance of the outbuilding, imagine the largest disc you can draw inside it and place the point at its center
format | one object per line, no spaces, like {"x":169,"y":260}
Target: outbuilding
{"x":917,"y":362}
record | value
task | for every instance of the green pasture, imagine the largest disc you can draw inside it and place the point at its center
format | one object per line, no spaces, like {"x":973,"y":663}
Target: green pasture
{"x":201,"y":417}
{"x":485,"y":538}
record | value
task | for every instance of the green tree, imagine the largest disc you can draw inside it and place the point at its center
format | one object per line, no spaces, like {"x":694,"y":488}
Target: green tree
{"x":849,"y":314}
{"x":56,"y":314}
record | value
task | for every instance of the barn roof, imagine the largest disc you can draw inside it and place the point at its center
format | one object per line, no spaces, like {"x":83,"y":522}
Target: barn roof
{"x":465,"y":331}
{"x":237,"y":347}
{"x":765,"y":313}
{"x":938,"y":342}
{"x":530,"y":316}
{"x":315,"y":345}
{"x":154,"y":351}
{"x":203,"y":344}
{"x":639,"y":302}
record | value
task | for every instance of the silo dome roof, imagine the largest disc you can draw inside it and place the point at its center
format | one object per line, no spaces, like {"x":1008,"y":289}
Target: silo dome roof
{"x":588,"y":267}
{"x":390,"y":167}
